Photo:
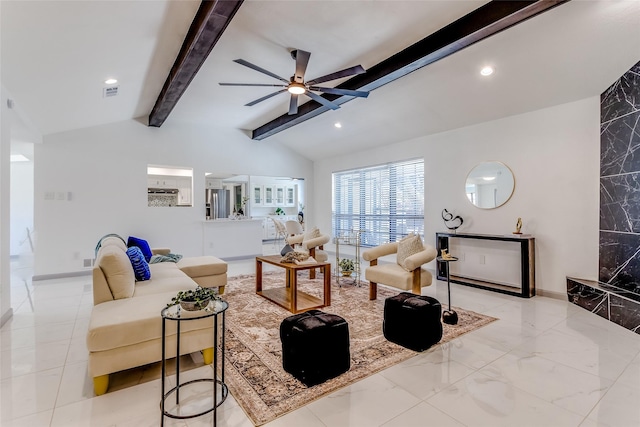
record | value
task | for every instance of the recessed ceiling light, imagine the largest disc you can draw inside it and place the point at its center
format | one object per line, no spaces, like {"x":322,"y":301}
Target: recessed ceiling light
{"x":111,"y":81}
{"x":488,"y":178}
{"x":338,"y":125}
{"x":18,"y":158}
{"x":486,"y":71}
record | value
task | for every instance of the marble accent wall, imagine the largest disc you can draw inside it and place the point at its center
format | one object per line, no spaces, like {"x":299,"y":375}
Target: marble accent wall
{"x":620,"y":183}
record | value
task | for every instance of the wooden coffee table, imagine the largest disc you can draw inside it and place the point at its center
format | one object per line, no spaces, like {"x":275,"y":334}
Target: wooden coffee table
{"x":289,"y":296}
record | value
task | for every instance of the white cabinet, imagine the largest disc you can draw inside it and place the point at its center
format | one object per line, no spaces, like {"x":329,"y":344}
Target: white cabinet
{"x":215,"y":183}
{"x":257,"y":199}
{"x":279,"y":196}
{"x":184,"y":191}
{"x":290,"y":196}
{"x":232,"y":239}
{"x":157,"y":181}
{"x":268,"y":229}
{"x":269,"y":196}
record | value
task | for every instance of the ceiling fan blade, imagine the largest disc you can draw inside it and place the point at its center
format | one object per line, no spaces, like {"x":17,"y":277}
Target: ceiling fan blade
{"x":293,"y":104}
{"x":302,"y":60}
{"x":250,"y":84}
{"x":337,"y":91}
{"x":321,"y":100}
{"x":259,"y":69}
{"x":264,"y":97}
{"x":338,"y":74}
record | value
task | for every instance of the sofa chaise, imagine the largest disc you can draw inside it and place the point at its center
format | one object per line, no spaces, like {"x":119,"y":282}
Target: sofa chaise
{"x":125,"y":330}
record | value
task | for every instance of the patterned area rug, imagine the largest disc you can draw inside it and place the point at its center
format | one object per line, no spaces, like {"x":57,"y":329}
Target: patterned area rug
{"x":253,"y":368}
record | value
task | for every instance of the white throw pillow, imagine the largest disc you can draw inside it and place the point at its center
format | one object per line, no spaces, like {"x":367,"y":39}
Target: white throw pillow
{"x":412,"y":244}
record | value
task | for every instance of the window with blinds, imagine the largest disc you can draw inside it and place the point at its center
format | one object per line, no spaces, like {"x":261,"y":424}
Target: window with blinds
{"x":384,"y":202}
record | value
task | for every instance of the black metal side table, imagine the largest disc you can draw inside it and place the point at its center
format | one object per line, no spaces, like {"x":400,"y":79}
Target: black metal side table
{"x":215,"y":310}
{"x":449,"y":316}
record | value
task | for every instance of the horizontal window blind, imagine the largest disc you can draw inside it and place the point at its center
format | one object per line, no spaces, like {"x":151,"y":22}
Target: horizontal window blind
{"x":384,"y":202}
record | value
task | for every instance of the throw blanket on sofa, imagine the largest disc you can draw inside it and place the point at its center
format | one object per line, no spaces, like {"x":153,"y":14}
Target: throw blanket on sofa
{"x":165,"y":258}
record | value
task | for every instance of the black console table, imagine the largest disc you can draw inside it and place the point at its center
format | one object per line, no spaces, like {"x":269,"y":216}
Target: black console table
{"x":527,"y":264}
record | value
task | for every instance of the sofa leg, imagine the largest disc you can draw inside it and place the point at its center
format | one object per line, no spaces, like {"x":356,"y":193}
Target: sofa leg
{"x":220,"y":290}
{"x":373,"y":290}
{"x":207,"y":354}
{"x":100,"y":384}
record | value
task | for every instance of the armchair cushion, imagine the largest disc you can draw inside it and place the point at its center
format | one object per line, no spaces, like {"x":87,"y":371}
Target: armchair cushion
{"x":410,"y":245}
{"x":393,"y":275}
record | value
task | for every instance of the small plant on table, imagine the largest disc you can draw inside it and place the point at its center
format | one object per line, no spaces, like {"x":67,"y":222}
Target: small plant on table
{"x":346,"y":266}
{"x":194,"y":299}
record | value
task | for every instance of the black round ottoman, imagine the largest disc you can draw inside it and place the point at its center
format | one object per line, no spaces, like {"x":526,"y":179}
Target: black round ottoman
{"x":315,"y":346}
{"x":412,"y":321}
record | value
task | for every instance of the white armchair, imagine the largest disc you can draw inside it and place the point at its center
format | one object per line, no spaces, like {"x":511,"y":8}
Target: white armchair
{"x":409,"y":277}
{"x":314,"y":245}
{"x":281,"y":230}
{"x":293,"y":227}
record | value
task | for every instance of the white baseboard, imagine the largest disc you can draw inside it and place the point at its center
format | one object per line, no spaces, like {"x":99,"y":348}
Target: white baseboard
{"x":61,"y":275}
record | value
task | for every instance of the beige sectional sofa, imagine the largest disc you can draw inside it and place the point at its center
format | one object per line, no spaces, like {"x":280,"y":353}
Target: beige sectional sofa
{"x":125,"y":330}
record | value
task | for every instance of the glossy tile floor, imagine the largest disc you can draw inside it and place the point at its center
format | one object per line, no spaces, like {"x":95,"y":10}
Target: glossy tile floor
{"x":544,"y":363}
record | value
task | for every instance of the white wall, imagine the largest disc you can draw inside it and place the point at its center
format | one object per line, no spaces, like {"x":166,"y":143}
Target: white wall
{"x":554,"y":154}
{"x":104,"y":169}
{"x":21,"y":206}
{"x":5,"y":154}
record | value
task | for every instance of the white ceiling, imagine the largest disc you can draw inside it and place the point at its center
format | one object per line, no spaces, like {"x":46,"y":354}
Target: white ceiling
{"x":56,"y":55}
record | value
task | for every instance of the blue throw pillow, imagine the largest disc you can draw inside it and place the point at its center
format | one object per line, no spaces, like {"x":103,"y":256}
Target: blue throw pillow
{"x":142,"y":244}
{"x":140,"y":266}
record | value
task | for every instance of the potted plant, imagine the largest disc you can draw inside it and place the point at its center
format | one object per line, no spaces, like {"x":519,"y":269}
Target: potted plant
{"x":194,"y":299}
{"x":243,"y":206}
{"x":346,"y":266}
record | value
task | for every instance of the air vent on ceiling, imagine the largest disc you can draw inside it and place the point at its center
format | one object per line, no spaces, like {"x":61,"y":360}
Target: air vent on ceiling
{"x":110,"y":91}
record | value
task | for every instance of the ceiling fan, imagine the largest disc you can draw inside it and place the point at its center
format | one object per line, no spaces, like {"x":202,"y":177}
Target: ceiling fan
{"x":296,"y":85}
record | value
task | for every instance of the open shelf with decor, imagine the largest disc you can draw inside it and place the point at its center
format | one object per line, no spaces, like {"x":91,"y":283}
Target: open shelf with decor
{"x":352,"y":238}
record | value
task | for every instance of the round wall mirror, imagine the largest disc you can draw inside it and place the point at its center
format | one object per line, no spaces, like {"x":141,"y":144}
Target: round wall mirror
{"x":489,"y":185}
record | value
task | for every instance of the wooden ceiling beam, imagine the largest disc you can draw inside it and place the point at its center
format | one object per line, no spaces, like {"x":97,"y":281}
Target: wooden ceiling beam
{"x":210,"y":21}
{"x":478,"y":25}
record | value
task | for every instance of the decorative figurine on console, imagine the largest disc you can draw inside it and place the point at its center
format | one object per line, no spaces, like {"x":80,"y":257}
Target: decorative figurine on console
{"x":518,"y":226}
{"x":447,"y":256}
{"x":450,"y":221}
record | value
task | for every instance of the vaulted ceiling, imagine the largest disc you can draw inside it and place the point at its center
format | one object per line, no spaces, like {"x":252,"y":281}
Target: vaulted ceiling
{"x":55,"y":56}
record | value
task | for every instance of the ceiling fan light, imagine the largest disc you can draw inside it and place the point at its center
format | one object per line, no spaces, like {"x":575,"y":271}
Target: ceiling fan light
{"x":296,"y":89}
